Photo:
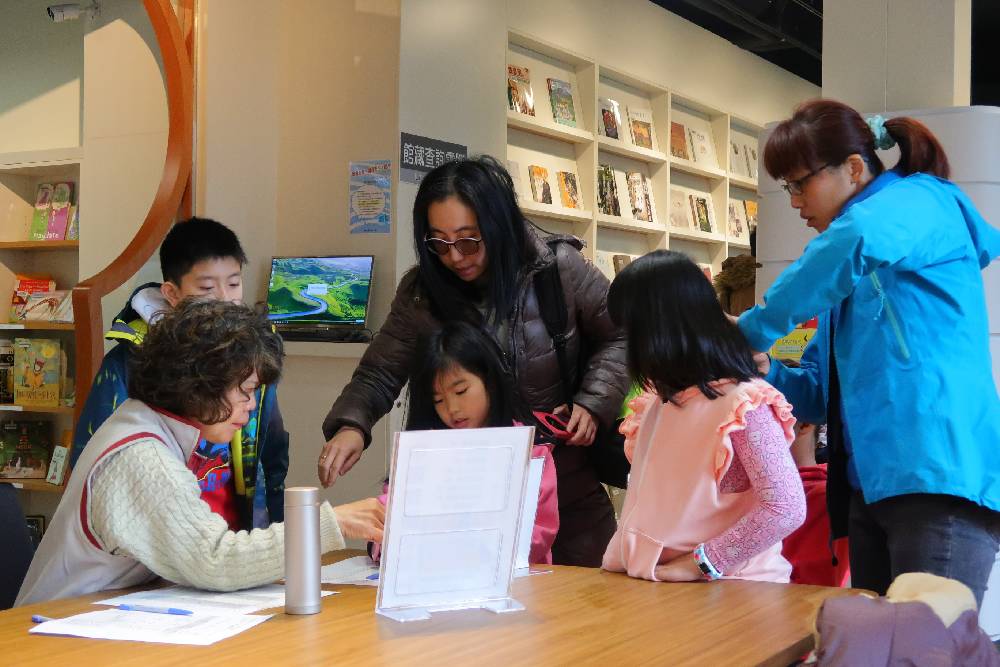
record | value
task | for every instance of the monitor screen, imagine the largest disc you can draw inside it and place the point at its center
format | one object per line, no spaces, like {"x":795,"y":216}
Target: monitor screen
{"x":319,"y":290}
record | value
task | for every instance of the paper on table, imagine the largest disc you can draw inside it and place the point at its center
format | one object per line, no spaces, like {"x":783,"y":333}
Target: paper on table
{"x":527,"y":526}
{"x":355,"y":571}
{"x":208,"y":602}
{"x":142,"y":627}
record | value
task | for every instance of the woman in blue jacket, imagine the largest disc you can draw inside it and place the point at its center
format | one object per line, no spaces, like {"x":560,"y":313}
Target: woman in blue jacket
{"x":900,"y":366}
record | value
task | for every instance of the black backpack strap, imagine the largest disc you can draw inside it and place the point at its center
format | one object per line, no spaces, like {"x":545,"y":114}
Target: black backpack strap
{"x":552,"y":305}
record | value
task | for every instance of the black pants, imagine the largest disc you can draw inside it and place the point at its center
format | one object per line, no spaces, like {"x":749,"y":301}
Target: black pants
{"x":586,"y":517}
{"x":943,"y":535}
{"x":15,"y":556}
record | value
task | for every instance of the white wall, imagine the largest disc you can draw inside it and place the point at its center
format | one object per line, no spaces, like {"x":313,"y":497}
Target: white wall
{"x":41,"y":69}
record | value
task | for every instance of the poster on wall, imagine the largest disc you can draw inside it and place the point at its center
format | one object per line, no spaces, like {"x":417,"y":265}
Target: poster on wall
{"x":418,"y":155}
{"x":370,"y":196}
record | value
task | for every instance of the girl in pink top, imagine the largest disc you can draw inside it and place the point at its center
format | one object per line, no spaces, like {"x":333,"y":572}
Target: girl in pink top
{"x":459,"y":383}
{"x":713,"y":488}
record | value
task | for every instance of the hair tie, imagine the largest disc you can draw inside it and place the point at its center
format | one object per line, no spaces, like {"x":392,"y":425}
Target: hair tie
{"x":883,"y":140}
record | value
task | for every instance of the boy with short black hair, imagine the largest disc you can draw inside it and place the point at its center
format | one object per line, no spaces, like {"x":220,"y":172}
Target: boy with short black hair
{"x":200,"y":257}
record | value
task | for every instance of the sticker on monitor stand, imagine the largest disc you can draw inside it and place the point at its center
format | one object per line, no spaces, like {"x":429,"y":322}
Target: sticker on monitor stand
{"x":370,"y":195}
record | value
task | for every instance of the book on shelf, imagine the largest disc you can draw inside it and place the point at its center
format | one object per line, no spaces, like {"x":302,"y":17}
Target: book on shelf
{"x":57,"y":464}
{"x":37,"y":372}
{"x":641,"y":125}
{"x":607,"y":191}
{"x":679,"y":141}
{"x":15,"y":216}
{"x":6,"y":371}
{"x":620,"y":261}
{"x":43,"y":206}
{"x":561,"y":97}
{"x":680,"y":210}
{"x":541,"y":191}
{"x":737,"y":159}
{"x":738,"y":229}
{"x":702,"y":147}
{"x":25,"y":449}
{"x":519,"y":95}
{"x":706,"y":269}
{"x":701,"y":210}
{"x":751,"y":209}
{"x":24,"y":287}
{"x":569,"y":191}
{"x":514,"y":169}
{"x":73,"y":228}
{"x":638,"y":194}
{"x":611,"y":117}
{"x":750,"y":150}
{"x":603,"y":261}
{"x":52,"y":306}
{"x":59,"y":214}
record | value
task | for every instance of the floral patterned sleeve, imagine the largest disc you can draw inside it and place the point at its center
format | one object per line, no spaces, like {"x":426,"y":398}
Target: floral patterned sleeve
{"x":764,"y":453}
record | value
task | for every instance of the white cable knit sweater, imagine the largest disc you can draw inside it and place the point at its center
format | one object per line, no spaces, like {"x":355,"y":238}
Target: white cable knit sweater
{"x":145,"y":504}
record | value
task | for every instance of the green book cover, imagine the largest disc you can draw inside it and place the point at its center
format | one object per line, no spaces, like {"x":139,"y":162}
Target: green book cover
{"x":40,"y":219}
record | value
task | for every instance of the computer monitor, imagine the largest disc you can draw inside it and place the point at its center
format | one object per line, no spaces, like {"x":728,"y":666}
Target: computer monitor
{"x":319,"y":292}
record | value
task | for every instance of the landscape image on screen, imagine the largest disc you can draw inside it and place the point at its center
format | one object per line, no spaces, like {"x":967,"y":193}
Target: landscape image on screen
{"x":319,"y":290}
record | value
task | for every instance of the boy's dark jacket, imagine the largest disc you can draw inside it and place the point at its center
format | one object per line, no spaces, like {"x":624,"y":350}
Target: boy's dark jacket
{"x":262,"y":443}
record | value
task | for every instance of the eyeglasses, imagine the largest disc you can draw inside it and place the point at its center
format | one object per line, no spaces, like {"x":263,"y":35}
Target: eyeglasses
{"x":794,"y":188}
{"x":466,"y":246}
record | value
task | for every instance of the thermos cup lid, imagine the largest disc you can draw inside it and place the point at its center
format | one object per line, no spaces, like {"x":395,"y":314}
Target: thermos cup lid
{"x":300,"y":496}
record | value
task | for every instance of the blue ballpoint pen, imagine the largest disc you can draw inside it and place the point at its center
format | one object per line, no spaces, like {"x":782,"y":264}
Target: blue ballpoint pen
{"x":38,"y":618}
{"x":154,"y":610}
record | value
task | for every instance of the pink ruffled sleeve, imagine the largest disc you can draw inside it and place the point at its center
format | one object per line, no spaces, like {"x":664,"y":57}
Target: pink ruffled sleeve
{"x":761,"y":434}
{"x":630,"y":425}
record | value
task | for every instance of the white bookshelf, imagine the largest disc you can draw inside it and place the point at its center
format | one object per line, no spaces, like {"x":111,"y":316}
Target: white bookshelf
{"x":540,"y":141}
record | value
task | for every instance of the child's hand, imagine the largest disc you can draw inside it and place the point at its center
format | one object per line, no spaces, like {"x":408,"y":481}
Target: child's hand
{"x":681,"y":568}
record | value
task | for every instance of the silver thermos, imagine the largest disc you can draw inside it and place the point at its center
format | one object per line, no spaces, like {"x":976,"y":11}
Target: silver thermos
{"x":302,"y":550}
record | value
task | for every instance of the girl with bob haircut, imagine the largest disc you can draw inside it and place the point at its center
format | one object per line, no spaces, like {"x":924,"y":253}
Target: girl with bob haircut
{"x":133,"y":510}
{"x":477,"y":260}
{"x":900,"y":365}
{"x":459,"y":383}
{"x":713,"y":488}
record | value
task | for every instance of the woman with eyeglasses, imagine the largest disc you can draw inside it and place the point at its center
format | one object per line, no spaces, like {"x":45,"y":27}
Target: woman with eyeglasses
{"x":477,"y":257}
{"x":900,"y":366}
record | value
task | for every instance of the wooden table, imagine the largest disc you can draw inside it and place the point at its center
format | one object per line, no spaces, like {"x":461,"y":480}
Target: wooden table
{"x":573,"y":616}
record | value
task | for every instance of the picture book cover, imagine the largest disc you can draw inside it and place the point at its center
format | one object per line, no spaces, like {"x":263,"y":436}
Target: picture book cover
{"x":738,"y":230}
{"x":62,"y":197}
{"x":541,"y":192}
{"x":700,"y":208}
{"x":641,"y":123}
{"x":680,"y":210}
{"x":514,"y":169}
{"x":23,"y":288}
{"x":519,"y":95}
{"x":43,"y":206}
{"x":751,"y":208}
{"x":706,"y":269}
{"x":792,"y":345}
{"x":611,"y":117}
{"x":50,"y":306}
{"x":569,"y":192}
{"x":737,"y":159}
{"x":607,"y":191}
{"x":638,"y":194}
{"x":25,"y":449}
{"x":561,"y":97}
{"x":679,"y":142}
{"x":750,"y":150}
{"x":73,"y":229}
{"x":702,"y":147}
{"x":37,"y":366}
{"x":620,"y":262}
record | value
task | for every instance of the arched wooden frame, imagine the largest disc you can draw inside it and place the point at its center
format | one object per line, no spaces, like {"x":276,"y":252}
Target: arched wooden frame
{"x":178,"y":78}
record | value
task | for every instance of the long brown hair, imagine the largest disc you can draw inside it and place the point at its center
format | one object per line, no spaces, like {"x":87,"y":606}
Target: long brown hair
{"x":827,"y":132}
